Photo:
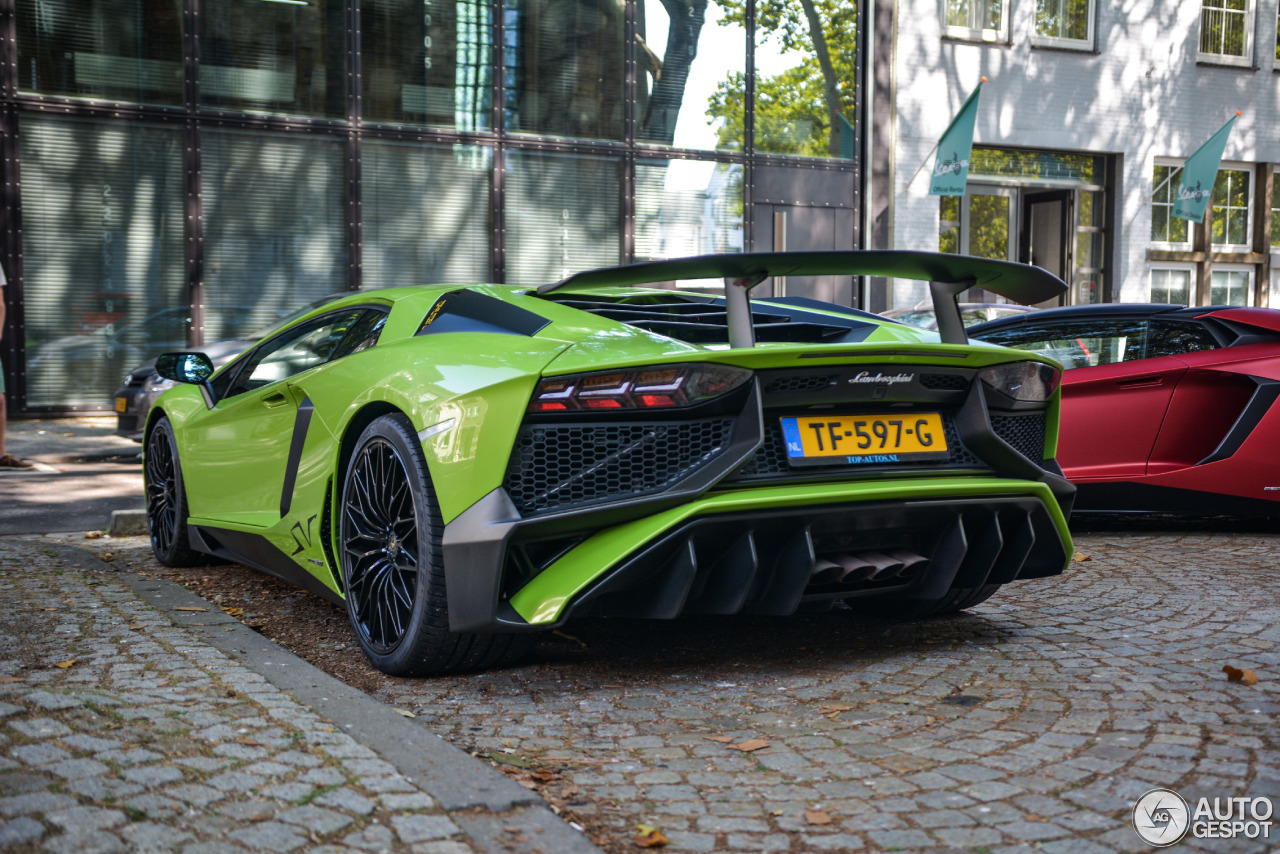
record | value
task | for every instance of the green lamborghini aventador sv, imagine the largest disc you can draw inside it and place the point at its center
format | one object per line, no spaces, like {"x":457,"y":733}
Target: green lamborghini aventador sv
{"x":466,"y":465}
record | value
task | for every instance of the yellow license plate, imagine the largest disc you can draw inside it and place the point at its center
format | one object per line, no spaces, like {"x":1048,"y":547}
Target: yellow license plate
{"x":122,"y":403}
{"x":865,"y":439}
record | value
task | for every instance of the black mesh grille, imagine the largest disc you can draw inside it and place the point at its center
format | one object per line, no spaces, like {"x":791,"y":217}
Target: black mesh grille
{"x":1024,"y":431}
{"x":944,"y":382}
{"x":770,"y":460}
{"x":557,"y":466}
{"x":799,"y":383}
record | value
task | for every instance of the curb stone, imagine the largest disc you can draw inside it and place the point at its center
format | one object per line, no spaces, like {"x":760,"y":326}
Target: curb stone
{"x":483,"y":803}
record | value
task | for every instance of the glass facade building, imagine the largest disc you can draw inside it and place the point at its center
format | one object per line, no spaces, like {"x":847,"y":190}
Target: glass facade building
{"x":186,"y":171}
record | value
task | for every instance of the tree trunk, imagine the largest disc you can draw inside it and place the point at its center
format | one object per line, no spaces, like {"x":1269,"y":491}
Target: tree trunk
{"x":830,"y":89}
{"x":658,"y":124}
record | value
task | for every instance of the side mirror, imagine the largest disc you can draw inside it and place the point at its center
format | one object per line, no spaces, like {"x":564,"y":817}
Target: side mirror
{"x":185,"y":367}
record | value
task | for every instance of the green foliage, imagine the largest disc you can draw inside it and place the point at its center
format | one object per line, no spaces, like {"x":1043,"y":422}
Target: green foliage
{"x":793,"y":113}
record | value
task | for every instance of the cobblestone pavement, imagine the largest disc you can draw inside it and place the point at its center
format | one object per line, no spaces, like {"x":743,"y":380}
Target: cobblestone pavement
{"x":120,"y":729}
{"x":1033,"y":722}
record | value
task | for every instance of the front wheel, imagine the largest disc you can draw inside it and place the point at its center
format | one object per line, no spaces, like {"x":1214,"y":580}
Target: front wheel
{"x":166,"y":499}
{"x":392,"y":568}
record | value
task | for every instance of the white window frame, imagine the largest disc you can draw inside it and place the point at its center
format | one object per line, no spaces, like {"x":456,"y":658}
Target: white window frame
{"x":976,"y":33}
{"x":1248,"y":170}
{"x":1173,"y":191}
{"x":1245,"y":60}
{"x":1059,"y":42}
{"x":1250,"y":273}
{"x":1171,"y":266}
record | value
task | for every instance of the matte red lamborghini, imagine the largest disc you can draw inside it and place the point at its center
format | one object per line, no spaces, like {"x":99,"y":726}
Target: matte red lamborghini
{"x":1164,"y":408}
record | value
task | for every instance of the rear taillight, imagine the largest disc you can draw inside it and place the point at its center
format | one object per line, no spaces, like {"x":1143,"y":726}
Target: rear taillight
{"x":637,"y":388}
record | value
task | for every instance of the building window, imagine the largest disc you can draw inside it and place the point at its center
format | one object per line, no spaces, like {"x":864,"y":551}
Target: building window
{"x":116,"y":50}
{"x":1231,"y":285}
{"x":426,"y":213}
{"x":1275,"y":211}
{"x":564,"y":214}
{"x":1165,"y":227}
{"x":975,"y":19}
{"x":1232,"y":203}
{"x":275,"y":229}
{"x":1064,"y":23}
{"x":275,"y":57}
{"x":949,"y":224}
{"x":427,"y":63}
{"x":1226,"y":28}
{"x":687,"y":207}
{"x":102,"y":212}
{"x":1276,"y":61}
{"x":564,"y":68}
{"x":1172,"y":284}
{"x":1090,"y":237}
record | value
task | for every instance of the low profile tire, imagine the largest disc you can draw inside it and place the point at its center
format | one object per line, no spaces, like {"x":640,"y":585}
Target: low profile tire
{"x":167,"y":500}
{"x":956,"y":599}
{"x":392,"y":569}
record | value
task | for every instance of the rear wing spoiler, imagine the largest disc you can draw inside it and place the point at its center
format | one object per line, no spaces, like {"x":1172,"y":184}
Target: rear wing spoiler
{"x":947,"y":275}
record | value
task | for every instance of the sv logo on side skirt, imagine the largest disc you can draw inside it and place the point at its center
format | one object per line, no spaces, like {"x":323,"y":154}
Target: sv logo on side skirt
{"x":300,"y":534}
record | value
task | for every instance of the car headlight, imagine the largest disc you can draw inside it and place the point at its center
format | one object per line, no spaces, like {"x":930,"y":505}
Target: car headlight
{"x":158,"y":383}
{"x":1022,"y":380}
{"x":637,"y":388}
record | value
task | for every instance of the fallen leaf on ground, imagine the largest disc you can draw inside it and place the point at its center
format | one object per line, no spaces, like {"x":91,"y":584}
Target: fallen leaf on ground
{"x":405,"y":712}
{"x":1080,"y":557}
{"x":832,"y":711}
{"x":93,"y":535}
{"x":189,"y":608}
{"x":107,"y":556}
{"x":235,"y":612}
{"x":137,"y":627}
{"x":250,"y":742}
{"x":749,"y":745}
{"x":817,"y":817}
{"x":722,"y":739}
{"x":65,"y":664}
{"x":1238,"y":674}
{"x":8,"y":680}
{"x":649,"y":837}
{"x":579,"y":641}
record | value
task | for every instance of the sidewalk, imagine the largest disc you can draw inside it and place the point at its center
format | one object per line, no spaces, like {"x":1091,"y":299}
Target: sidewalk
{"x":83,"y":472}
{"x":136,"y":716}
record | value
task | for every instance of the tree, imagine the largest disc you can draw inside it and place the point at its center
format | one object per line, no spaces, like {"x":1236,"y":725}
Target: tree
{"x":795,"y":111}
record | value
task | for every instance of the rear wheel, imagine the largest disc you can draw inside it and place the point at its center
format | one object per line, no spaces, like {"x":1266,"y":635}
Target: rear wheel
{"x":392,"y":568}
{"x":956,"y":599}
{"x":167,"y":500}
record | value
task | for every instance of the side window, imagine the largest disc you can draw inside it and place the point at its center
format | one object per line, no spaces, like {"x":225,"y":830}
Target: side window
{"x":1078,"y":345}
{"x":300,"y":349}
{"x":1169,"y":338}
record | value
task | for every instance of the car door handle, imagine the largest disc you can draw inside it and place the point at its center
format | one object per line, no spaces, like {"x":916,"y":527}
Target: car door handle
{"x":274,"y":400}
{"x":1140,"y":382}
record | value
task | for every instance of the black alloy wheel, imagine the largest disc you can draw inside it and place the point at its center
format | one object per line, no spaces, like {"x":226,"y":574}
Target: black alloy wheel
{"x":166,"y":499}
{"x":380,"y":545}
{"x":392,"y":568}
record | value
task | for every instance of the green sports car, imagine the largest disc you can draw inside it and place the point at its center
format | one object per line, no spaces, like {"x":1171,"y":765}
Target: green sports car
{"x":467,"y":465}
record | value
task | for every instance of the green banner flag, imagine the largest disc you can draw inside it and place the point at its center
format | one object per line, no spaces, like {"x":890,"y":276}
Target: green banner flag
{"x":951,"y":167}
{"x":1199,"y":174}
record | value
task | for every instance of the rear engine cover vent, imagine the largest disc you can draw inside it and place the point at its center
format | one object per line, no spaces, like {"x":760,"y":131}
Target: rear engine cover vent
{"x":698,"y":319}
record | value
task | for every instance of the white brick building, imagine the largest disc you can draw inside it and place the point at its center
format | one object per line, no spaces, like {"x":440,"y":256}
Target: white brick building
{"x":1088,"y":108}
